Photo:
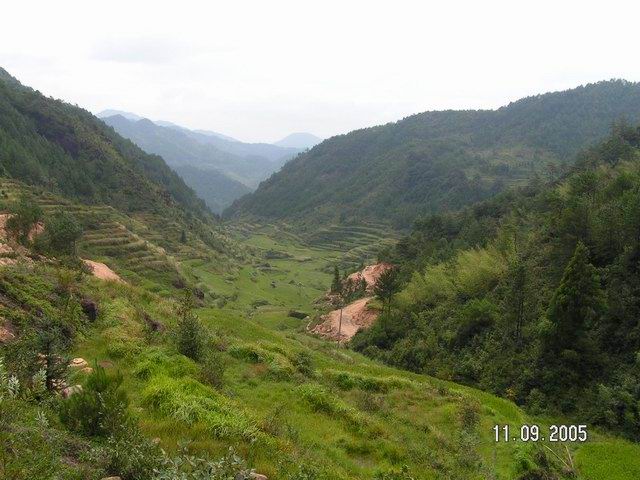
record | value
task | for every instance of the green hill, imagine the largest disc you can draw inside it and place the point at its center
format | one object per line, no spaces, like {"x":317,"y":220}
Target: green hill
{"x":439,"y":161}
{"x":67,"y":150}
{"x":533,"y":295}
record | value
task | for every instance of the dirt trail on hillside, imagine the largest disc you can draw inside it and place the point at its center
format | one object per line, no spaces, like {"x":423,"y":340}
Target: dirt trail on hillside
{"x":370,"y":274}
{"x":100,"y":270}
{"x":355,"y":316}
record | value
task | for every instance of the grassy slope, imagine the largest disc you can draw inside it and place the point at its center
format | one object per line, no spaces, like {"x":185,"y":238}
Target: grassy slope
{"x":352,"y":433}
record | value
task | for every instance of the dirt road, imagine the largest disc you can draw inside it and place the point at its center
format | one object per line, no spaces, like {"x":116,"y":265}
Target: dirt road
{"x":355,"y":316}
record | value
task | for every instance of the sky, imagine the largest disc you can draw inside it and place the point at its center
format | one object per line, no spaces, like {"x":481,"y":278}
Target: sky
{"x":259,"y":70}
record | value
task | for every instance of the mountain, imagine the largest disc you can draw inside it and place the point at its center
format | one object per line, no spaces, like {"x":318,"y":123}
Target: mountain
{"x":439,"y":161}
{"x":110,"y":113}
{"x":301,"y":140}
{"x":226,"y":169}
{"x":64,"y":148}
{"x":214,"y":187}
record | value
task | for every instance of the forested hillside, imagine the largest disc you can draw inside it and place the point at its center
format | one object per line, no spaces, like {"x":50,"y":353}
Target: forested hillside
{"x":67,"y":150}
{"x":533,"y":295}
{"x":440,"y":161}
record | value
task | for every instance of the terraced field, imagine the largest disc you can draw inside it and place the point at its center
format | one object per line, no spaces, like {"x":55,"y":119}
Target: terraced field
{"x":143,"y":249}
{"x":354,"y":244}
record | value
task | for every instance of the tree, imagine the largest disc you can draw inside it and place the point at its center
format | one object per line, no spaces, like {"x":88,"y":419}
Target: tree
{"x":570,"y":354}
{"x":190,"y":331}
{"x":52,"y":342}
{"x":183,"y":236}
{"x":25,"y":215}
{"x":62,"y":233}
{"x":386,"y":287}
{"x":336,"y":284}
{"x":577,"y":302}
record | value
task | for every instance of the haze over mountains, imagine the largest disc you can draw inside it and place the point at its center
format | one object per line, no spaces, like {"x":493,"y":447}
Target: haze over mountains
{"x":219,"y":168}
{"x":439,"y":161}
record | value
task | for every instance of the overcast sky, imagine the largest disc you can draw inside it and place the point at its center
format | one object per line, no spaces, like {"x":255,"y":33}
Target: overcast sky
{"x":259,"y":70}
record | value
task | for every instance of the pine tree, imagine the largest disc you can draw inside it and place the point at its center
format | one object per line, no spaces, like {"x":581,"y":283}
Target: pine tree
{"x":336,"y":284}
{"x":386,"y":287}
{"x":577,"y":302}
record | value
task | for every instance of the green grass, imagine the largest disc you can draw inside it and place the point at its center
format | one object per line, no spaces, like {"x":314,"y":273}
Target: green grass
{"x":338,"y":412}
{"x":349,"y":416}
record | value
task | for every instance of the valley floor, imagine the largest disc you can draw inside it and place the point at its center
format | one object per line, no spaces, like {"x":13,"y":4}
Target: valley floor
{"x":298,"y":406}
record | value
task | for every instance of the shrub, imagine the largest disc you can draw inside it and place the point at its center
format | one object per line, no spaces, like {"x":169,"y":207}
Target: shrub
{"x":99,"y":408}
{"x":303,"y":363}
{"x":213,"y":368}
{"x":191,"y":335}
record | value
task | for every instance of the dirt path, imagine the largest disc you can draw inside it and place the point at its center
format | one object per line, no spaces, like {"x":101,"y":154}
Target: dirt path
{"x":355,"y":316}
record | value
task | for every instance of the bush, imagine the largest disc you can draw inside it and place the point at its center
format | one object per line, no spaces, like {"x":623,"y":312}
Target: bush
{"x":213,"y":368}
{"x":100,"y":408}
{"x":191,"y":335}
{"x":303,"y":363}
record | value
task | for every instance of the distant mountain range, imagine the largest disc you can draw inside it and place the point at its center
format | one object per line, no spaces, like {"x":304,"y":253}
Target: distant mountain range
{"x":301,"y":140}
{"x":219,"y":168}
{"x":439,"y":161}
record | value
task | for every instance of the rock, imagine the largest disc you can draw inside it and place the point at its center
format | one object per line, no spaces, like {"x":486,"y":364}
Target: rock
{"x":199,"y":294}
{"x":67,"y":392}
{"x":90,"y":308}
{"x":156,"y":441}
{"x":259,"y":476}
{"x":78,"y":363}
{"x":112,"y":478}
{"x":6,"y":335}
{"x":87,"y":370}
{"x":154,"y":325}
{"x":297,"y":314}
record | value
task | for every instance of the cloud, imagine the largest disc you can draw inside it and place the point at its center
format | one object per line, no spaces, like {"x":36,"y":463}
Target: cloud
{"x":139,"y":50}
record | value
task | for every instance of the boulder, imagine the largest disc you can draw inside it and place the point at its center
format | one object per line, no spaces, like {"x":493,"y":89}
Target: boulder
{"x":67,"y":392}
{"x":78,"y":363}
{"x":6,"y":335}
{"x":90,"y":308}
{"x":154,"y":325}
{"x":259,"y":476}
{"x":297,"y":314}
{"x":199,"y":294}
{"x":87,"y":370}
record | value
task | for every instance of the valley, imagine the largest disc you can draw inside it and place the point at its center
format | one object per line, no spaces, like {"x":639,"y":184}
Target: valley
{"x":378,"y":310}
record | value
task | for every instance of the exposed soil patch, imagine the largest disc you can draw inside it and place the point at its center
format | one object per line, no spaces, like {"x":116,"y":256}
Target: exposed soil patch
{"x":355,"y":316}
{"x":370,"y":274}
{"x":100,"y":270}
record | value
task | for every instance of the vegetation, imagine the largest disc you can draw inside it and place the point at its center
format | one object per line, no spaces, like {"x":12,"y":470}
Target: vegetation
{"x":437,"y":161}
{"x":532,"y":295}
{"x":198,"y":370}
{"x":61,"y":147}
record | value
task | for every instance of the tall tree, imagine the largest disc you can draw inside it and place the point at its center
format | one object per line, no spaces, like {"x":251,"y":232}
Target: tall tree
{"x":336,"y":284}
{"x":570,"y":355}
{"x":386,"y":287}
